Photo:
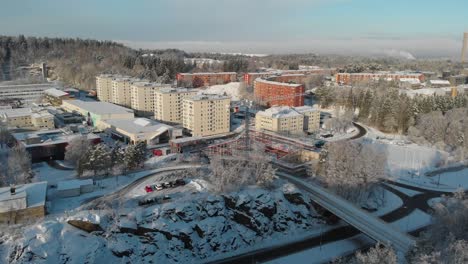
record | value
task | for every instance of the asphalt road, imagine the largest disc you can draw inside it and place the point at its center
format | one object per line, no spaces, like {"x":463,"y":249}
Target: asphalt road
{"x":419,"y":201}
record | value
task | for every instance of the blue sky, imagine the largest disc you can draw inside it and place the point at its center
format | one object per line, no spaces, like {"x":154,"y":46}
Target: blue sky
{"x":266,"y":26}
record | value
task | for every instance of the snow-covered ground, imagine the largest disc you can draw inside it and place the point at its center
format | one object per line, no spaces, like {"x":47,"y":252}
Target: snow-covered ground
{"x":230,"y":89}
{"x":330,"y":251}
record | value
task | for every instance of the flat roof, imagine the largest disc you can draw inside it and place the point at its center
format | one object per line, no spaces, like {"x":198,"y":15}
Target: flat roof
{"x":138,"y":125}
{"x":177,"y":90}
{"x":35,"y":194}
{"x":286,"y":111}
{"x":201,"y":97}
{"x":55,"y":92}
{"x":100,"y":108}
{"x":278,"y":83}
{"x":49,"y":137}
{"x":15,"y":112}
{"x":73,"y":184}
{"x":207,"y":73}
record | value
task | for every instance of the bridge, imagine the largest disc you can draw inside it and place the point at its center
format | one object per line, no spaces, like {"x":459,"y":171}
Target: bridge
{"x":368,"y":224}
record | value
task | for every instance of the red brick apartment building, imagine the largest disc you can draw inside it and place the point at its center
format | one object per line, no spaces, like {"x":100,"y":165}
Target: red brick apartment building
{"x":271,"y":92}
{"x":200,"y":79}
{"x":350,"y":78}
{"x":250,"y":77}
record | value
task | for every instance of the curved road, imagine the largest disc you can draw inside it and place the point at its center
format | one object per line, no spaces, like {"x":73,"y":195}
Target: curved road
{"x":110,"y":199}
{"x":419,"y":201}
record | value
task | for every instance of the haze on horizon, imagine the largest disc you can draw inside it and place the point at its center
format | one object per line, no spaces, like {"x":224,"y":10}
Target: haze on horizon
{"x":350,"y":27}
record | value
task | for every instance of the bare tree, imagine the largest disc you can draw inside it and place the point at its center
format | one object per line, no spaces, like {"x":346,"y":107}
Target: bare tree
{"x":19,"y":165}
{"x":377,"y":255}
{"x":352,"y":170}
{"x":76,"y":149}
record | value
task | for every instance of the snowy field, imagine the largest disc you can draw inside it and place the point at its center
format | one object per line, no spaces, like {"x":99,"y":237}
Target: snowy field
{"x":230,"y":89}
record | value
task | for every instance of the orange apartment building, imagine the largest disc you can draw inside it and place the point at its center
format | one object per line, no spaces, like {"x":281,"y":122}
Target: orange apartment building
{"x":201,"y":79}
{"x":271,"y":92}
{"x":350,"y":78}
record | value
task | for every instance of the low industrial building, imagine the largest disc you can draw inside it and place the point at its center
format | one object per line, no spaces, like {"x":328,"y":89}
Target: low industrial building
{"x":439,"y":83}
{"x":134,"y":130}
{"x":49,"y":144}
{"x":27,"y":118}
{"x":27,"y":93}
{"x":288,"y":120}
{"x":23,"y":203}
{"x":73,"y":188}
{"x":206,"y":115}
{"x":55,"y":96}
{"x":94,"y":112}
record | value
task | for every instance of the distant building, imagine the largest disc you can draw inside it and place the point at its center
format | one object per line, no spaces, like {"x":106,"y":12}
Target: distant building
{"x":49,"y":144}
{"x":288,"y":120}
{"x":27,"y":93}
{"x":55,"y":96}
{"x":351,"y":78}
{"x":270,"y":92}
{"x":121,"y":91}
{"x":458,"y":80}
{"x":206,"y":115}
{"x":23,"y":203}
{"x":104,"y":87}
{"x":439,"y":83}
{"x":94,"y":112}
{"x":200,"y":79}
{"x":250,"y":77}
{"x":136,"y":130}
{"x":27,"y":118}
{"x":168,"y":103}
{"x":410,"y":83}
{"x":142,"y":97}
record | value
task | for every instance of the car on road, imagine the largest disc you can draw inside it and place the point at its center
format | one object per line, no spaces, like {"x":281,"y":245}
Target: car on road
{"x":148,"y":189}
{"x":179,"y":182}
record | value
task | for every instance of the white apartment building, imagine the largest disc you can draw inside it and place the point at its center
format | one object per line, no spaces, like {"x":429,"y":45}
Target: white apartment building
{"x":168,"y":103}
{"x":121,"y":91}
{"x":206,"y":115}
{"x":142,"y":97}
{"x":104,"y":87}
{"x":28,"y":93}
{"x":288,"y":120}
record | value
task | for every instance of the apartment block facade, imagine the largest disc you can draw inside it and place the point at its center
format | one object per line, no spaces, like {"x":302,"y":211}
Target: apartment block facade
{"x":288,"y":120}
{"x":350,"y":78}
{"x":207,"y":115}
{"x":201,"y":79}
{"x":122,"y":92}
{"x":142,"y":97}
{"x":168,"y":103}
{"x":104,"y":87}
{"x":270,"y":93}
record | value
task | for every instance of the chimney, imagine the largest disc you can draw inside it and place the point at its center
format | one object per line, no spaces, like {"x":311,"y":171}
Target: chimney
{"x":12,"y":190}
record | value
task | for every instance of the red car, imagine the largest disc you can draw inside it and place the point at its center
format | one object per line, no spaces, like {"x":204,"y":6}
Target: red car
{"x":148,"y":189}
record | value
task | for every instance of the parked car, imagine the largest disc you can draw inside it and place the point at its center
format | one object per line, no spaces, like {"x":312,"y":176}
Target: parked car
{"x":180,"y":182}
{"x":159,"y":187}
{"x":166,"y":185}
{"x":148,"y":189}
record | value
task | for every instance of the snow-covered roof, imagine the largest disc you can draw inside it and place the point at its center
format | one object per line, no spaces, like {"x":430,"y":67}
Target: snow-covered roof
{"x":73,"y":184}
{"x":55,"y":92}
{"x":208,"y":73}
{"x":177,"y":90}
{"x":100,"y":108}
{"x":410,"y":80}
{"x":439,"y":82}
{"x":286,"y":111}
{"x":35,"y":194}
{"x":48,"y":137}
{"x":42,"y":114}
{"x":210,"y":97}
{"x":138,"y":125}
{"x":278,"y":83}
{"x":15,"y":112}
